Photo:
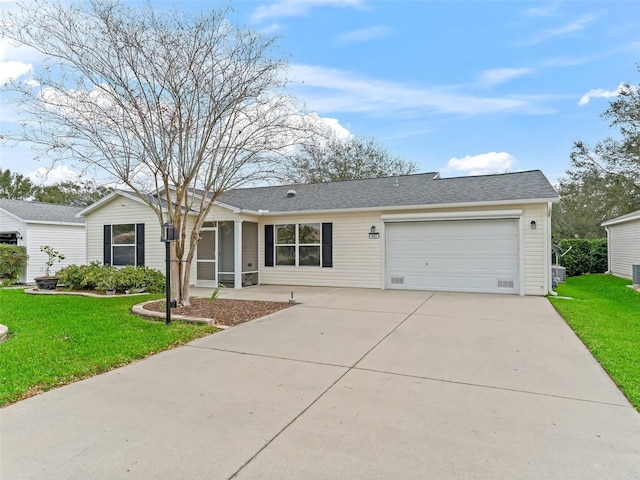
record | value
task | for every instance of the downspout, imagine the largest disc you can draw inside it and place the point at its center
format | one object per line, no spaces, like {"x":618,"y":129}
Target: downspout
{"x":547,"y":251}
{"x":608,"y":251}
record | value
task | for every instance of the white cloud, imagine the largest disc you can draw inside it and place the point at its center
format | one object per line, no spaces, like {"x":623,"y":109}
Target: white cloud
{"x":364,"y":34}
{"x":602,"y":93}
{"x":542,"y":11}
{"x":575,"y":26}
{"x":298,"y":8}
{"x":332,"y":90}
{"x":45,"y":177}
{"x":482,"y":164}
{"x":11,"y":69}
{"x":501,"y":75}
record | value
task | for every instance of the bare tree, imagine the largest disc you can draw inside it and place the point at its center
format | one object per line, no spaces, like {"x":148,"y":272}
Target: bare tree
{"x":183,"y":105}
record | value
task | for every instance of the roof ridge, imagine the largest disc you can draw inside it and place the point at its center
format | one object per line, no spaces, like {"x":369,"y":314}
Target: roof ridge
{"x":490,"y":174}
{"x":434,"y":174}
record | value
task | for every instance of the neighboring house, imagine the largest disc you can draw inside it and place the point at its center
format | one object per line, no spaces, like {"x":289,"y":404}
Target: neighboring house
{"x":623,"y":241}
{"x":35,"y":224}
{"x":416,"y":232}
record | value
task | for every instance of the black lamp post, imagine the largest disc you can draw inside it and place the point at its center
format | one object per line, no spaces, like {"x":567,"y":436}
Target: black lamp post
{"x":168,"y":236}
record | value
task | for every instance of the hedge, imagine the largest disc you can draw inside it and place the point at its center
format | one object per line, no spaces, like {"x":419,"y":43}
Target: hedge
{"x":584,"y":256}
{"x":13,"y":262}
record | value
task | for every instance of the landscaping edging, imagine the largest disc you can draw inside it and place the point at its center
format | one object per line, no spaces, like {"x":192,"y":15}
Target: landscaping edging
{"x":139,"y":310}
{"x":35,"y":291}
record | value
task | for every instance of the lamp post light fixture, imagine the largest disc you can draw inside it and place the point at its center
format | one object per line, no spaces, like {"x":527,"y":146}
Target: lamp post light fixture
{"x":169,"y":235}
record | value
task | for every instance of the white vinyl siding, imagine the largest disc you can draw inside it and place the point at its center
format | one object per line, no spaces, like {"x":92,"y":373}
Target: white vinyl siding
{"x":356,"y":258}
{"x":122,"y":210}
{"x":624,"y":247}
{"x":69,"y":240}
{"x":537,"y":255}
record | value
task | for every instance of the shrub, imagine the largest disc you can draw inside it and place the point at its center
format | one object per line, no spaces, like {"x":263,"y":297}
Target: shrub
{"x":599,"y":258}
{"x":135,"y":278}
{"x":584,"y":256}
{"x":80,"y":277}
{"x":105,"y":277}
{"x":13,"y":262}
{"x":577,"y":258}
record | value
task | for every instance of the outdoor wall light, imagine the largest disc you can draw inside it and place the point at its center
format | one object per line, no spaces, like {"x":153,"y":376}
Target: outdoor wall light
{"x":373,"y":233}
{"x":533,"y":225}
{"x":169,"y":233}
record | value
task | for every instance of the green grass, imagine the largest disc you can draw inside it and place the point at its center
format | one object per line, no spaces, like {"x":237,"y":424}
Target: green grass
{"x":56,"y":339}
{"x":605,"y":314}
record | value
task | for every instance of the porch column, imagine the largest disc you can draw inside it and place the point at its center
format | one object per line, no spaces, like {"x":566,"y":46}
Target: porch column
{"x":237,"y":253}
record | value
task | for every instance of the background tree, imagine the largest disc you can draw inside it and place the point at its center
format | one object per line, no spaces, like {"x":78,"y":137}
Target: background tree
{"x":328,"y":158}
{"x":79,"y":194}
{"x":588,"y":197}
{"x":15,"y":186}
{"x":604,"y":181}
{"x":185,"y":105}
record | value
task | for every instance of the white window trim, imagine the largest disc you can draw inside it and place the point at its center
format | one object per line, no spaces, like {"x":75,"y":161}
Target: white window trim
{"x":115,"y":245}
{"x":296,"y":245}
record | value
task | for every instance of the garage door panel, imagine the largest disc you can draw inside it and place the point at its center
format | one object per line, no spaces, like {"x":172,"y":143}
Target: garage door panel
{"x":468,"y":256}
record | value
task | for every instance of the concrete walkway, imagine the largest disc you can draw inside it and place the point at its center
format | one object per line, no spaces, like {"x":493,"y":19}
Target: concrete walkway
{"x":353,"y":384}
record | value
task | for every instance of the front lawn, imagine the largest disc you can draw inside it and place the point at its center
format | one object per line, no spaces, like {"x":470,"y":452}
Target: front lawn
{"x":58,"y":339}
{"x":605,"y":314}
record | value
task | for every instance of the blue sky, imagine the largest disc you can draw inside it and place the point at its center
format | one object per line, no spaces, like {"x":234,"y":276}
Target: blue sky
{"x":457,"y":87}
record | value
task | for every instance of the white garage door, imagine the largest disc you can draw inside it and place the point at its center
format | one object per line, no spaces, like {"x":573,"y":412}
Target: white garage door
{"x":454,"y":256}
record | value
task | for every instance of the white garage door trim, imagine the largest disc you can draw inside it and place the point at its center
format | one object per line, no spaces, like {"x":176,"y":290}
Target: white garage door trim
{"x":516,"y":214}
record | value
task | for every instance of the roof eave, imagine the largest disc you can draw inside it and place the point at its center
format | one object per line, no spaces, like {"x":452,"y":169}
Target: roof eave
{"x":49,"y":222}
{"x":12,"y":215}
{"x":108,"y":198}
{"x":617,"y":221}
{"x":431,"y":206}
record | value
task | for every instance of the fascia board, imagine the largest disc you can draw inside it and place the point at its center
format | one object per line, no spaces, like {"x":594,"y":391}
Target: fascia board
{"x":409,"y":207}
{"x":462,"y":215}
{"x":621,"y":220}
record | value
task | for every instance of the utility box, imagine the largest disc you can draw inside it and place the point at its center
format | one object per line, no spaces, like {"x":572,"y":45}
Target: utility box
{"x":635,"y":274}
{"x":559,"y":274}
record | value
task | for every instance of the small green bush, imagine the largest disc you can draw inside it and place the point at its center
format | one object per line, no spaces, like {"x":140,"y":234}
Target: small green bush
{"x":577,"y":258}
{"x":13,"y":262}
{"x":599,"y":257}
{"x":105,"y":277}
{"x":136,"y":278}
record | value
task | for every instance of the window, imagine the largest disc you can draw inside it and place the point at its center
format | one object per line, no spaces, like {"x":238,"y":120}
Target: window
{"x":124,"y":244}
{"x":286,"y":244}
{"x":300,"y":245}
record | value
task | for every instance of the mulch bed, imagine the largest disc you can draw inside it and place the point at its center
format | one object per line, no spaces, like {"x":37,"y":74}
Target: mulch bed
{"x":223,"y":311}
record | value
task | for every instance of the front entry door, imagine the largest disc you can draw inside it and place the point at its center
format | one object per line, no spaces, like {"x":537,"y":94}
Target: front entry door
{"x":206,"y":261}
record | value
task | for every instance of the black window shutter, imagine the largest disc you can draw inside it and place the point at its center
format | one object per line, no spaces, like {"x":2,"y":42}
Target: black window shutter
{"x":107,"y":245}
{"x":327,"y":244}
{"x":139,"y":244}
{"x":268,"y":245}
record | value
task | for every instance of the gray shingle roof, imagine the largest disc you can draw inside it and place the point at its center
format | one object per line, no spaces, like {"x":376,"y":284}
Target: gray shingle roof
{"x":411,"y":190}
{"x":41,"y":212}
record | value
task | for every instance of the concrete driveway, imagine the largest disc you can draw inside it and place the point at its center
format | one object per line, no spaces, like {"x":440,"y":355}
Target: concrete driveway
{"x":356,"y":384}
